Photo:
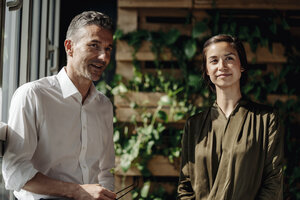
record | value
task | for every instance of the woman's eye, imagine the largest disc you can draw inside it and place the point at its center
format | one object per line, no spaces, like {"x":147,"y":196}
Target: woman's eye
{"x":213,"y":61}
{"x":229,"y":58}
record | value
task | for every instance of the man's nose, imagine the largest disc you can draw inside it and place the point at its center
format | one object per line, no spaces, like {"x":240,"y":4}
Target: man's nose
{"x":101,"y":55}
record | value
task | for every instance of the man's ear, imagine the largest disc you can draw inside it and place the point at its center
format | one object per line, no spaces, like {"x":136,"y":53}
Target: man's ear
{"x":242,"y":69}
{"x":68,"y":47}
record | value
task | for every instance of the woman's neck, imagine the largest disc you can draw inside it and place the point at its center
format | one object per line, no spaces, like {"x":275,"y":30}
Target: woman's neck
{"x":227,"y":99}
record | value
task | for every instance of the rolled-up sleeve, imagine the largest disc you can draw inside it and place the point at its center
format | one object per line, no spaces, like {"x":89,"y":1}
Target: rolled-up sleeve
{"x":21,"y":140}
{"x":107,"y":160}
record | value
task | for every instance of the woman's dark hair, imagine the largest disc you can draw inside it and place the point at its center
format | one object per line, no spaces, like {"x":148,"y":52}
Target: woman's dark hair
{"x":237,"y":45}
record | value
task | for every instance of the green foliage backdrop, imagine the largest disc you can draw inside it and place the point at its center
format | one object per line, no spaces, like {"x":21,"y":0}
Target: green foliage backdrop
{"x":136,"y":142}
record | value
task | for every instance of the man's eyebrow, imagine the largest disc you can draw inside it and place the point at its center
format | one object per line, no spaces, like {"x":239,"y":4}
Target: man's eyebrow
{"x":97,"y":41}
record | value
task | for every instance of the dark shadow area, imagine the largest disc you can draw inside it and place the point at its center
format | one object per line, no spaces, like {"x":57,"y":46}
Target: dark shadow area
{"x":71,"y":8}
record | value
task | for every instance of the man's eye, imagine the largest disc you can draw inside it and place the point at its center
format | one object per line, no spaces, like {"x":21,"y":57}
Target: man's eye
{"x":108,"y":50}
{"x":93,"y":45}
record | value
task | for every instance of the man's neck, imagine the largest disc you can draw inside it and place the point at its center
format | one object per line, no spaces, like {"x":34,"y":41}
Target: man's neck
{"x":82,"y":85}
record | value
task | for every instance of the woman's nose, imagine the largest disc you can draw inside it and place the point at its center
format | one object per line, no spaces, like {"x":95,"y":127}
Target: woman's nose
{"x":222,"y":65}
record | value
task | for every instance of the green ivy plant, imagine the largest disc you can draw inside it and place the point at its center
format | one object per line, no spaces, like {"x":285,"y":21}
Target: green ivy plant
{"x":136,"y":142}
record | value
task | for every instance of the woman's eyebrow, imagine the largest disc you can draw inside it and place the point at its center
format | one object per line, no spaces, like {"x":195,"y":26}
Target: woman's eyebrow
{"x":228,"y":54}
{"x":210,"y":57}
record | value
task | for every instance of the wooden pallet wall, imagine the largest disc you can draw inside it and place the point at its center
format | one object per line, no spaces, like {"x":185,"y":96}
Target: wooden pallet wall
{"x":154,"y":15}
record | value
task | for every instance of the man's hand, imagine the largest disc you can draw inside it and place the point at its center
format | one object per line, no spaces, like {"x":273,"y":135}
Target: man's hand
{"x":42,"y":184}
{"x":93,"y":192}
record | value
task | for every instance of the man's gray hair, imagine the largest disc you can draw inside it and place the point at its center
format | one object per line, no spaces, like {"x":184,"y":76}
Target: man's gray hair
{"x":89,"y":18}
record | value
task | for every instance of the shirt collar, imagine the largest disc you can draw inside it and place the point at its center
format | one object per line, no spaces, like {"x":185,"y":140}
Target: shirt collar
{"x":241,"y":103}
{"x":66,"y":85}
{"x":92,"y":93}
{"x":68,"y":88}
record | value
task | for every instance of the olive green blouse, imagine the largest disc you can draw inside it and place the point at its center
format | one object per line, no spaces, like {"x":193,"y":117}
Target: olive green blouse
{"x":234,"y":158}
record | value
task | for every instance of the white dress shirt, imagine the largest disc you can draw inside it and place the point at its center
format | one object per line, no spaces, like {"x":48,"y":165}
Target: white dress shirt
{"x":52,"y":132}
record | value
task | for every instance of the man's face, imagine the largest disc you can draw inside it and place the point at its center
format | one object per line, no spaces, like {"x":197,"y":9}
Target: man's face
{"x":91,"y":50}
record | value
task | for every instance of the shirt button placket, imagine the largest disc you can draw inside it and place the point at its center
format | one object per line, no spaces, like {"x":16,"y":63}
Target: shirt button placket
{"x":82,"y":157}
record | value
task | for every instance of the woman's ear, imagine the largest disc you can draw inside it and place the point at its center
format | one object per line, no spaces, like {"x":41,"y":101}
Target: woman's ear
{"x":242,"y":69}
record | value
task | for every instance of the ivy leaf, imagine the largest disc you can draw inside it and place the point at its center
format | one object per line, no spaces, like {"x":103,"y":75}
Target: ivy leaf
{"x":145,"y":189}
{"x":232,"y":28}
{"x":247,"y":88}
{"x":149,"y":147}
{"x":116,"y":136}
{"x":135,"y":194}
{"x":194,"y":80}
{"x":256,"y":33}
{"x":265,"y":42}
{"x":162,"y":115}
{"x":178,"y":116}
{"x":198,"y":29}
{"x":120,"y":89}
{"x":126,"y":161}
{"x":165,"y":100}
{"x":101,"y":86}
{"x":244,"y":33}
{"x":273,"y":28}
{"x":285,"y":24}
{"x":171,"y":36}
{"x":190,"y":48}
{"x":118,"y":34}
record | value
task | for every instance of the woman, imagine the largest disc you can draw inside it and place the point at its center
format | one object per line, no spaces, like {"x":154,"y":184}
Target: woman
{"x":234,"y":149}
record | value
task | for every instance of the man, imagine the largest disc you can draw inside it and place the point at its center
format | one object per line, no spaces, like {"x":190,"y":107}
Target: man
{"x":60,"y":143}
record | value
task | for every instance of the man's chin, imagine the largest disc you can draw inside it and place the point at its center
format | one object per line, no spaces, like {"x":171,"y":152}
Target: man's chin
{"x":95,"y":78}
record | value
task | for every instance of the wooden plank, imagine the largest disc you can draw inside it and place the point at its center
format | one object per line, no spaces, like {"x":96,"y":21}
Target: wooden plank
{"x":262,"y":55}
{"x":174,"y":73}
{"x":161,"y":166}
{"x":125,"y":69}
{"x":248,"y":4}
{"x":158,"y":166}
{"x":147,"y":102}
{"x":124,"y":52}
{"x":164,"y":20}
{"x":272,"y":98}
{"x":155,"y":3}
{"x":123,"y":182}
{"x":145,"y":99}
{"x":126,"y":114}
{"x":127,"y":20}
{"x":167,"y":19}
{"x":274,"y":68}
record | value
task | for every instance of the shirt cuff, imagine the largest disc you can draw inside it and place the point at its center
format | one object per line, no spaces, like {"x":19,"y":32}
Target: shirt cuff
{"x":19,"y":177}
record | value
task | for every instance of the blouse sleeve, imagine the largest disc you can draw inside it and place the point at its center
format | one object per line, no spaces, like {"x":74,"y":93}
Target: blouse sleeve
{"x":185,"y":190}
{"x":272,"y":180}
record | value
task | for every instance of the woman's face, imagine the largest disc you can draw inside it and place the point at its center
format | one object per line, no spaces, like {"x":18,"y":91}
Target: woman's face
{"x":223,"y":66}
